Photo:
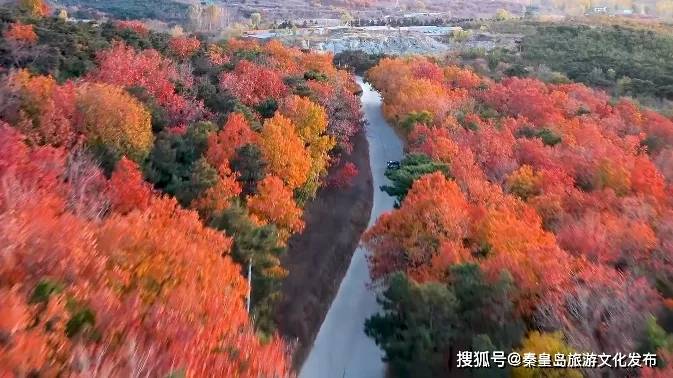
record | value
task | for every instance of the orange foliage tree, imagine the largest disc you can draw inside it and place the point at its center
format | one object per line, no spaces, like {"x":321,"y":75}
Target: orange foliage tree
{"x":434,"y":211}
{"x":253,"y":84}
{"x":529,"y":98}
{"x":21,"y":33}
{"x":36,"y":8}
{"x":216,"y":55}
{"x":113,"y":119}
{"x":424,"y":69}
{"x":419,"y":95}
{"x":235,"y":133}
{"x":41,"y":108}
{"x":284,"y":151}
{"x":461,"y":78}
{"x":274,"y":203}
{"x":184,"y":47}
{"x":381,"y":75}
{"x":133,"y":25}
{"x":128,"y":190}
{"x":310,"y":120}
{"x":217,"y":198}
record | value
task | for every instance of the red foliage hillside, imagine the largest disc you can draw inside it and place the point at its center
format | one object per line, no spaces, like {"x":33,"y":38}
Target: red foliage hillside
{"x":133,"y":189}
{"x":567,"y":191}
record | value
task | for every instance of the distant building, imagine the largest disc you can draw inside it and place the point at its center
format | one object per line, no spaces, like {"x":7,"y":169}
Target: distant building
{"x":599,"y":10}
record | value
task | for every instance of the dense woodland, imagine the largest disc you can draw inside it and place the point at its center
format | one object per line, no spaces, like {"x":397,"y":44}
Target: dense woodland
{"x":625,"y":58}
{"x":140,"y":174}
{"x":636,"y":60}
{"x":164,"y":10}
{"x":532,"y":217}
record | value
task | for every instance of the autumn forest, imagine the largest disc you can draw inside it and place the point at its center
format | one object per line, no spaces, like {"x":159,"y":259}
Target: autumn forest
{"x":146,"y":177}
{"x":532,"y":217}
{"x":141,"y":174}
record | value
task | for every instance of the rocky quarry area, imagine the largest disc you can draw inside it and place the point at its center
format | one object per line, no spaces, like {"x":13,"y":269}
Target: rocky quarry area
{"x":388,"y":40}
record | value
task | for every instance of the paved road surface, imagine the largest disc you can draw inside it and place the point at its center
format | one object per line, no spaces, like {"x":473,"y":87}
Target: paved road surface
{"x":341,"y":349}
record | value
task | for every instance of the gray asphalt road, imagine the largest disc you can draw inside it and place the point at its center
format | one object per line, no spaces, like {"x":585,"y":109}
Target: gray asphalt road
{"x":341,"y":349}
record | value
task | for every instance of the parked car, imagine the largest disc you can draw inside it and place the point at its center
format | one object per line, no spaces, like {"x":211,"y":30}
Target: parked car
{"x":393,"y":164}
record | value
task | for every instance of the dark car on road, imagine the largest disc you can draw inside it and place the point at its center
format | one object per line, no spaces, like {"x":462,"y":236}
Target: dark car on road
{"x":393,"y":164}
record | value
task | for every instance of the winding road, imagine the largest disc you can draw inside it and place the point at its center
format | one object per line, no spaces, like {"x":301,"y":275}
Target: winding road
{"x":341,"y":348}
